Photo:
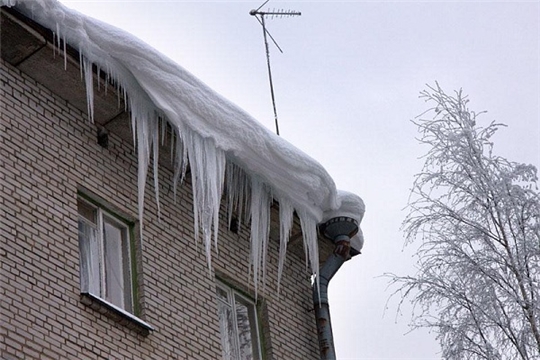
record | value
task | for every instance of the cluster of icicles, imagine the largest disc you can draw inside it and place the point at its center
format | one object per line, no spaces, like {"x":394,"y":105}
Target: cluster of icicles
{"x":248,"y":197}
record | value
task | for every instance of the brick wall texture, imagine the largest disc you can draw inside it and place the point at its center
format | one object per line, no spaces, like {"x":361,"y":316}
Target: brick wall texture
{"x":49,"y":153}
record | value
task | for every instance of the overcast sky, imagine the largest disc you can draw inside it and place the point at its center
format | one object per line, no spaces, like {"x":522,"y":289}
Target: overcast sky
{"x":346,"y":89}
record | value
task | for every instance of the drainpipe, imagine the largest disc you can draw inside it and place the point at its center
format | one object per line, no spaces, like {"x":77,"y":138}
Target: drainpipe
{"x":339,"y":230}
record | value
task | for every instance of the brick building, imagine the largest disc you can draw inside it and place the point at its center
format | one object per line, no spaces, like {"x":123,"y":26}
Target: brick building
{"x":77,"y":279}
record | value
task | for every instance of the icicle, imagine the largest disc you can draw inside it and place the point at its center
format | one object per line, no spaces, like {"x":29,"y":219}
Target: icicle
{"x":65,"y":54}
{"x":133,"y":130}
{"x":124,"y":92}
{"x":207,"y":172}
{"x":58,"y":36}
{"x":98,"y":77}
{"x":163,"y":127}
{"x":311,"y":246}
{"x":232,"y":190}
{"x":244,"y":189}
{"x":245,"y":201}
{"x":173,"y":148}
{"x":81,"y":63}
{"x":260,"y":230}
{"x":118,"y":95}
{"x":286,"y":213}
{"x":237,"y":184}
{"x":180,"y":162}
{"x":89,"y":81}
{"x":154,"y":134}
{"x":54,"y":44}
{"x":196,"y":160}
{"x":140,"y":117}
{"x":217,"y":189}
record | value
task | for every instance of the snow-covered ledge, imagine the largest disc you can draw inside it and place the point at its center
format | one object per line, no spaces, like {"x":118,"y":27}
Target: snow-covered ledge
{"x":120,"y":315}
{"x":224,"y":146}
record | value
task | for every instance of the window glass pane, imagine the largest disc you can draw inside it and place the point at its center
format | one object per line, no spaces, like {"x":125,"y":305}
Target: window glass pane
{"x":126,"y":255}
{"x":114,"y":263}
{"x":87,"y":211}
{"x":105,"y":264}
{"x":227,"y":329}
{"x":238,"y":325}
{"x":222,"y":294}
{"x":247,"y":329}
{"x":89,"y":258}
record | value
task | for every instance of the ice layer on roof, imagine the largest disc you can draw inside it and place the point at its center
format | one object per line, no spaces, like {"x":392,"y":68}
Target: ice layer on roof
{"x":224,"y":146}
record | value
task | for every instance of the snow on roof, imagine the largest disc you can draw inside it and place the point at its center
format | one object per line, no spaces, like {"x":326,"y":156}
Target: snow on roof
{"x":214,"y":135}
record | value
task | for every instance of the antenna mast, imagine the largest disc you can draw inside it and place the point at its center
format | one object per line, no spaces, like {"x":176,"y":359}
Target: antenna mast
{"x":260,"y":15}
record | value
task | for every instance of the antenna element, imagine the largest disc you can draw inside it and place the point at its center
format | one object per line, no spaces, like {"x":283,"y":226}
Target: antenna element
{"x":260,"y":16}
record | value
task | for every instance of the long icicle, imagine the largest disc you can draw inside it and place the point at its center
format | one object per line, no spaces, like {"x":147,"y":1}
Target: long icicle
{"x":311,"y":246}
{"x":180,"y":160}
{"x":154,"y":134}
{"x":89,"y":81}
{"x":286,"y":213}
{"x":260,"y":230}
{"x":208,"y":174}
{"x":140,"y":116}
{"x":237,"y":184}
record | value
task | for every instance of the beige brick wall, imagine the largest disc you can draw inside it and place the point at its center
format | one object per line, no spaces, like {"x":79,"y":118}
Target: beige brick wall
{"x":49,"y":152}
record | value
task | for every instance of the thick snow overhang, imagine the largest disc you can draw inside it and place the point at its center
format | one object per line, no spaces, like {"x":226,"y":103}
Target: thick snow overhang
{"x":224,"y":146}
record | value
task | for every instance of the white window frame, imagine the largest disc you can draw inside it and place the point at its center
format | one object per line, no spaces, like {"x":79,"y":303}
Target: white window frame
{"x":88,"y":285}
{"x":232,"y":296}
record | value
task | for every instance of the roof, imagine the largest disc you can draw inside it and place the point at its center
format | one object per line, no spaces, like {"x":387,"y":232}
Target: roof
{"x":213,"y":133}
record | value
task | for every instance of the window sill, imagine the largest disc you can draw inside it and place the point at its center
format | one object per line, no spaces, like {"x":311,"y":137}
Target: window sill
{"x":116,"y":313}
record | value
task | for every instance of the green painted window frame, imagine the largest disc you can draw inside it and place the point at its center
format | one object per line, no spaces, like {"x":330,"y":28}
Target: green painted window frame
{"x":96,"y":301}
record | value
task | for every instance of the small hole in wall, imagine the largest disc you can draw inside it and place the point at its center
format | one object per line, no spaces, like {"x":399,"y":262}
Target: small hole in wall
{"x":233,"y":226}
{"x":103,"y":138}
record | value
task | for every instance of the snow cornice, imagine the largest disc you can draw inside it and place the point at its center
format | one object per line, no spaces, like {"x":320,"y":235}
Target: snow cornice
{"x":213,"y":134}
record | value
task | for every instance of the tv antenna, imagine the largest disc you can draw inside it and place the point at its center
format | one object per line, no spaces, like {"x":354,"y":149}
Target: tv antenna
{"x":260,"y":16}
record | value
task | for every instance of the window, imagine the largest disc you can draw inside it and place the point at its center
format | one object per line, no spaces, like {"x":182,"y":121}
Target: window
{"x":105,"y":261}
{"x":238,"y":325}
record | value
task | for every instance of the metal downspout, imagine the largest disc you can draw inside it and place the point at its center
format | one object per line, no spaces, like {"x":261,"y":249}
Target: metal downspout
{"x":340,"y":231}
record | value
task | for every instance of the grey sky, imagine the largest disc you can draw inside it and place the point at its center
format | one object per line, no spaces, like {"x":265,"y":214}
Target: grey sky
{"x":346,"y":87}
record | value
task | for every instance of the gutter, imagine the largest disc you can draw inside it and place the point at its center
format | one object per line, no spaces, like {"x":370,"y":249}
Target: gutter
{"x":340,"y":230}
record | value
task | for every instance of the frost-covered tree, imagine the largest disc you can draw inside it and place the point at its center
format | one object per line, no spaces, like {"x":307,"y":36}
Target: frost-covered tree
{"x":476,"y":219}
